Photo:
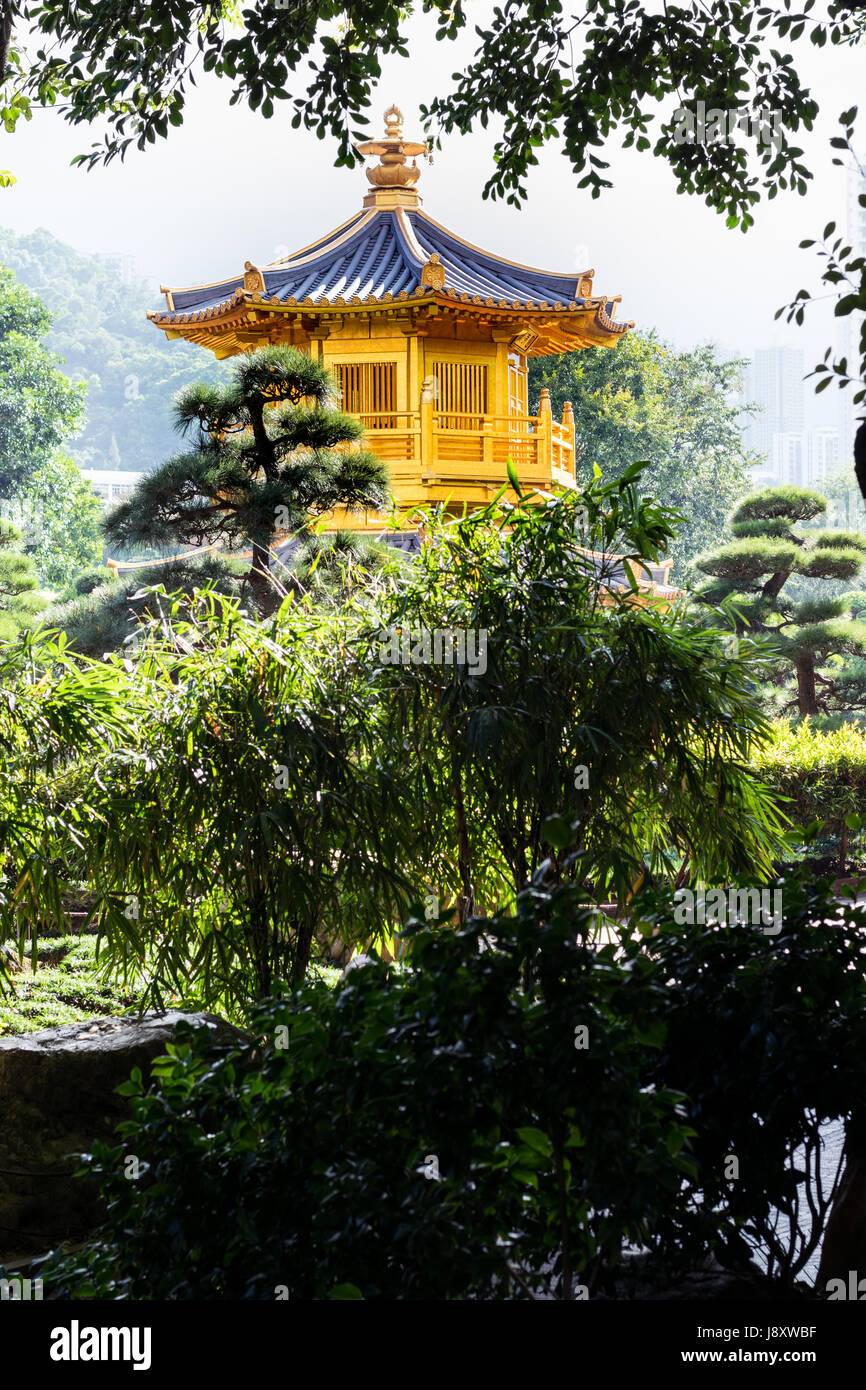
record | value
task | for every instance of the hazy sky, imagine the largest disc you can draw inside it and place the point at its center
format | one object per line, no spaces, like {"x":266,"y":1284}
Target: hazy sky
{"x":230,"y":186}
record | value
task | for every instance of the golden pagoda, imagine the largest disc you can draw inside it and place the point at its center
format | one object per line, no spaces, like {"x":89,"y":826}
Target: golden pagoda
{"x":427,"y":335}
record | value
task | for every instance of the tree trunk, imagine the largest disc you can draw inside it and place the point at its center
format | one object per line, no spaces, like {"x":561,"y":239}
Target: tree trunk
{"x":7,"y":12}
{"x":562,"y":1203}
{"x":301,"y":953}
{"x":259,"y":579}
{"x":261,"y":562}
{"x":776,"y":583}
{"x":844,"y":1244}
{"x":466,"y":902}
{"x":261,"y":945}
{"x":806,"y":698}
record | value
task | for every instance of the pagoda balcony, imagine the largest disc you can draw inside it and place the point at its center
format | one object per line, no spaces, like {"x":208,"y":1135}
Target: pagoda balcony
{"x":434,"y":449}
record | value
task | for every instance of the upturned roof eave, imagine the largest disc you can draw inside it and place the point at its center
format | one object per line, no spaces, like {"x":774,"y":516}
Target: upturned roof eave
{"x":252,"y":303}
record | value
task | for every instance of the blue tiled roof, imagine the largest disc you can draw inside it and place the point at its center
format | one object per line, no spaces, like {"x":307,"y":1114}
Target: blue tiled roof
{"x":382,"y":252}
{"x":473,"y":271}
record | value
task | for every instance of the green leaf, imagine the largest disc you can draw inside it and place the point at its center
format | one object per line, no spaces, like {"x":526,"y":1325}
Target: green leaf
{"x":512,"y":475}
{"x":536,"y":1139}
{"x":557,"y":831}
{"x":526,"y":1175}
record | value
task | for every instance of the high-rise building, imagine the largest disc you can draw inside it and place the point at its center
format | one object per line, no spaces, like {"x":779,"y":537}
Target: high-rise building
{"x":788,"y":457}
{"x":822,"y":455}
{"x":774,"y":381}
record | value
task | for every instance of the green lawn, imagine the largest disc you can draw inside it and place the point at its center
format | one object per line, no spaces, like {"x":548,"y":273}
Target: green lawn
{"x":67,"y":988}
{"x":64,"y":989}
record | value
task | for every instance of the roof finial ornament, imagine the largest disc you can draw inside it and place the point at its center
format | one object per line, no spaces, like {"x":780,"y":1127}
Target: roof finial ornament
{"x":394,"y":123}
{"x":393,"y":171}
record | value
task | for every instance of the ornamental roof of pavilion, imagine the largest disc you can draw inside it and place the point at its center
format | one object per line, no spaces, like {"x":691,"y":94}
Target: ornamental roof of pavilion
{"x":391,"y":252}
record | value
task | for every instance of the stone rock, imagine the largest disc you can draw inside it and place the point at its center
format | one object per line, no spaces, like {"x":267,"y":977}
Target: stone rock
{"x":10,"y":959}
{"x":58,"y":1095}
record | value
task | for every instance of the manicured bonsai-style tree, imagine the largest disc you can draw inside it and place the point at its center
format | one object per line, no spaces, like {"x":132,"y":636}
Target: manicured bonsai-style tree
{"x":753,"y":569}
{"x":20,"y":596}
{"x":268,"y":455}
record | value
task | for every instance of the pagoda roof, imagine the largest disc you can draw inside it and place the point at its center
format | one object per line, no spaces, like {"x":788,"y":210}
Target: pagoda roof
{"x":387,"y":253}
{"x":383,"y":251}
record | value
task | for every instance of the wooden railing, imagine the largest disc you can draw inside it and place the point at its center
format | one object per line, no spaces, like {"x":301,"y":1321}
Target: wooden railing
{"x":488,"y":441}
{"x":457,"y":444}
{"x":562,"y":447}
{"x":394,"y":435}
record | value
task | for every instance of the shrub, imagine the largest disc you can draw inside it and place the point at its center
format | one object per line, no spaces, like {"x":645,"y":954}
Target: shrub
{"x":88,"y":580}
{"x":440,"y":1131}
{"x":767,"y":1036}
{"x":822,"y":773}
{"x":433,"y":1133}
{"x":104,"y":616}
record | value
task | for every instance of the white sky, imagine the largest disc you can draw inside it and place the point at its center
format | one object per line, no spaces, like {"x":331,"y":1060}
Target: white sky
{"x":230,"y":186}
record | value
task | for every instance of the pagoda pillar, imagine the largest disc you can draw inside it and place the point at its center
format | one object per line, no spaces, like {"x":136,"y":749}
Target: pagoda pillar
{"x":568,"y":431}
{"x":500,"y":379}
{"x":487,"y":442}
{"x":319,"y":334}
{"x":544,"y":432}
{"x":413,"y":386}
{"x":427,"y":437}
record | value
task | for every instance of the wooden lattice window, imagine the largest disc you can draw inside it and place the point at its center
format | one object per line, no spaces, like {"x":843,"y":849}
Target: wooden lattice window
{"x":461,"y":394}
{"x":369,"y":389}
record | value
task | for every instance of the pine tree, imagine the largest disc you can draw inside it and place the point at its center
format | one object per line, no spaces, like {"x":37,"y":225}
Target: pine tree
{"x":269,"y":455}
{"x":20,"y":596}
{"x":753,"y":569}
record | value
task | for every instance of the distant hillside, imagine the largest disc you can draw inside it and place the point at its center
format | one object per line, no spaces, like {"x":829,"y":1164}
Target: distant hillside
{"x":101,"y":333}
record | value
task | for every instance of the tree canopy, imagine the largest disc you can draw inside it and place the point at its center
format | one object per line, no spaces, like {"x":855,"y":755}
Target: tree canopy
{"x":673,"y":410}
{"x":753,"y":569}
{"x":39,"y":406}
{"x":41,"y":490}
{"x":609,"y":71}
{"x":268,"y":455}
{"x":99,"y":331}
